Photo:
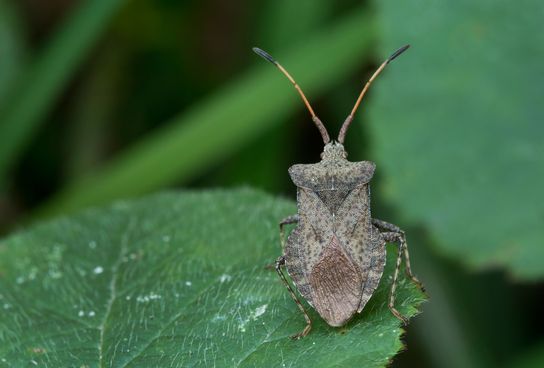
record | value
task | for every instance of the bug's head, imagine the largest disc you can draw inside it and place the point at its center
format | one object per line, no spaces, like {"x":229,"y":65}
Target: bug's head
{"x":334,"y":151}
{"x":332,"y":148}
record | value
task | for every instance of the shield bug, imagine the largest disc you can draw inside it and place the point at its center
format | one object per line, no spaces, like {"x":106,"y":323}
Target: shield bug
{"x":336,"y":254}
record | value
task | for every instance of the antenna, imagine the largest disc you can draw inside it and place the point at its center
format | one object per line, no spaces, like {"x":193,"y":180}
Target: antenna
{"x":315,"y":119}
{"x":349,"y":119}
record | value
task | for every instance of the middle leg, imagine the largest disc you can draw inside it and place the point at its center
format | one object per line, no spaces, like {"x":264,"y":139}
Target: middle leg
{"x":400,"y":238}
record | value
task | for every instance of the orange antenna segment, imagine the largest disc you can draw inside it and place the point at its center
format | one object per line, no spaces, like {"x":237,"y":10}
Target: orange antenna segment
{"x":315,"y":119}
{"x":349,"y":119}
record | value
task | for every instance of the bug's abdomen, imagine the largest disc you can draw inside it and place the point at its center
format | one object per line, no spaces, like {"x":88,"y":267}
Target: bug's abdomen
{"x":372,"y":263}
{"x":300,"y":256}
{"x":336,"y":284}
{"x":334,"y":261}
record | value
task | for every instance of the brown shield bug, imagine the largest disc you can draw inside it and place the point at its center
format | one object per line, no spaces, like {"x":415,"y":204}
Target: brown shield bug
{"x":336,"y":254}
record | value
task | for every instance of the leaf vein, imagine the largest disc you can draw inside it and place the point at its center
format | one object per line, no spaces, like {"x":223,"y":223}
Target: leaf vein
{"x":113,"y":291}
{"x":176,"y":316}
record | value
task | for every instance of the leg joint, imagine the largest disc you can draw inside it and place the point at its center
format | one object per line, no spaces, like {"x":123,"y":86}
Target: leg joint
{"x":289,"y":220}
{"x":392,"y":237}
{"x":280,"y":262}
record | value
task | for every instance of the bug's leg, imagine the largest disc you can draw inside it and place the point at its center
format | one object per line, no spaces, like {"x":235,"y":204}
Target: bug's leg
{"x":391,"y":237}
{"x":293,"y":219}
{"x":382,"y":225}
{"x":279,"y":263}
{"x":386,"y":226}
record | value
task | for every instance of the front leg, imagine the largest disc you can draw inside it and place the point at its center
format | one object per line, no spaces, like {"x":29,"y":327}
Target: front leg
{"x":293,"y":219}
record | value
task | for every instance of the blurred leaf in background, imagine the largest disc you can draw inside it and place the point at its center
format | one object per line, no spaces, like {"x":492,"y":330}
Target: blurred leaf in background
{"x":13,"y":47}
{"x":463,"y":110}
{"x":43,"y":80}
{"x":456,"y":130}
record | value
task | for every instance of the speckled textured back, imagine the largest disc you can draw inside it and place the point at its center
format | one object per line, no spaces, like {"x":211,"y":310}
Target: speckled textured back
{"x":329,"y":175}
{"x":333,"y":199}
{"x":334,"y":256}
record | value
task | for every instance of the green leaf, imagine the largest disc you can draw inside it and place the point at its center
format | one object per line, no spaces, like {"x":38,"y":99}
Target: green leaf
{"x":456,"y":125}
{"x":175,"y":279}
{"x":43,"y":81}
{"x":226,"y":121}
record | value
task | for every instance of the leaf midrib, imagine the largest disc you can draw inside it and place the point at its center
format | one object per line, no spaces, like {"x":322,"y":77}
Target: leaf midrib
{"x":113,"y":289}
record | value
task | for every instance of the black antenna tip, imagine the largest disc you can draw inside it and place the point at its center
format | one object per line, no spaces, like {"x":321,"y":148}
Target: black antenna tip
{"x":397,"y":53}
{"x":265,"y":55}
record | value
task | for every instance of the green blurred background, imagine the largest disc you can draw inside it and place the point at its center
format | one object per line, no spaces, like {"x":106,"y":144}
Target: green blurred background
{"x":109,"y":99}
